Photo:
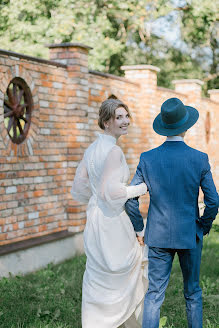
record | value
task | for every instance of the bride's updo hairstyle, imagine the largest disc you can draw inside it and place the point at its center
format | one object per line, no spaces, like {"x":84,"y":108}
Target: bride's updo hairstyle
{"x":108,"y":109}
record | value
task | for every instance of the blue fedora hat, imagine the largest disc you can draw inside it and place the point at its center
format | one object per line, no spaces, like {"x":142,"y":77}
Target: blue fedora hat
{"x":174,"y":118}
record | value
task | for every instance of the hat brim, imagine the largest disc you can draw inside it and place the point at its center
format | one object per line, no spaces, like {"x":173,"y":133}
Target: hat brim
{"x":192,"y":119}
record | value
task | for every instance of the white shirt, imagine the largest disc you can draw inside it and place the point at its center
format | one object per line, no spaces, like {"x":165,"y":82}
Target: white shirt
{"x":173,"y":138}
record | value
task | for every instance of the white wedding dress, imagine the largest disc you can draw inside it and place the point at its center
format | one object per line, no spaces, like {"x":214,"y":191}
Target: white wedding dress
{"x":114,"y":282}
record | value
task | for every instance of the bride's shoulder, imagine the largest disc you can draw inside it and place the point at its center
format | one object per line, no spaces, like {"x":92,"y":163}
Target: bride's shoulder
{"x":116,"y":150}
{"x":91,"y":147}
{"x":115,"y":154}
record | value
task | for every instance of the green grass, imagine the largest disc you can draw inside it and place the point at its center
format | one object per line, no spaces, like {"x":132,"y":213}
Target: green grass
{"x":51,"y":298}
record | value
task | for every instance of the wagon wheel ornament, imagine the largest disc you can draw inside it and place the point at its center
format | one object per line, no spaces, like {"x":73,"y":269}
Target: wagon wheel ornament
{"x":17,"y":110}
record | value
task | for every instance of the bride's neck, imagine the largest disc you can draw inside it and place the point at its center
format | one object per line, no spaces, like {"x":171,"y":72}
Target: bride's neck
{"x":109,"y":134}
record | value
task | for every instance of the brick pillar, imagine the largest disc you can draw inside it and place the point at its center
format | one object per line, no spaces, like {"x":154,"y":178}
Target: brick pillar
{"x":145,"y":75}
{"x":192,"y":88}
{"x":214,"y":94}
{"x":69,"y":53}
{"x":75,"y":56}
{"x":141,"y":133}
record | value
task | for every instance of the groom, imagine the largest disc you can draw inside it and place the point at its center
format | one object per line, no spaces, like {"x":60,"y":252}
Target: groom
{"x":173,"y":173}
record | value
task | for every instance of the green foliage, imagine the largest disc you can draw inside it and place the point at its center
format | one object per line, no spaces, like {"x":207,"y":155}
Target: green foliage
{"x":104,"y":25}
{"x":199,"y":21}
{"x":120,"y":32}
{"x":200,"y":31}
{"x":162,"y":322}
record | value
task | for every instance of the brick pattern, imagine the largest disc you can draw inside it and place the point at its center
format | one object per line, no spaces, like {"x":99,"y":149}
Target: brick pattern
{"x":33,"y":174}
{"x":36,"y":176}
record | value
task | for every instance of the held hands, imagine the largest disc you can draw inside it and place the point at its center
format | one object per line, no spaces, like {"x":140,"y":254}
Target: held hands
{"x":140,"y":240}
{"x":143,"y":188}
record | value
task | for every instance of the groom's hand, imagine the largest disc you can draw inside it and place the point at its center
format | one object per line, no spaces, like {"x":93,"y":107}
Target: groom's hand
{"x":140,"y":240}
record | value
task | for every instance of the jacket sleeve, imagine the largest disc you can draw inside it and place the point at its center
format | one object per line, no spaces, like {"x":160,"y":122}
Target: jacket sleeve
{"x":211,"y":198}
{"x":132,"y":205}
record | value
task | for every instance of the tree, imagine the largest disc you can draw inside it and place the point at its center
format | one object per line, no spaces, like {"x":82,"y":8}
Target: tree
{"x":109,"y":26}
{"x":120,"y":32}
{"x":200,"y":31}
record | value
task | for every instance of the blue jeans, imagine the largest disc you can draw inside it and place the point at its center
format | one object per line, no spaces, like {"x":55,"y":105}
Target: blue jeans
{"x":160,"y":264}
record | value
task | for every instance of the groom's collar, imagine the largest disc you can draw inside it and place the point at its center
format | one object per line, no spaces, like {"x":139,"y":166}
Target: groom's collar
{"x":175,"y":138}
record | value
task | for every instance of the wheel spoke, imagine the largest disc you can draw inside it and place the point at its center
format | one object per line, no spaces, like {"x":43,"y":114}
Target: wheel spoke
{"x":10,"y":123}
{"x":19,"y":126}
{"x":15,"y":129}
{"x":15,"y":93}
{"x":10,"y":96}
{"x":20,"y":95}
{"x":8,"y":114}
{"x":24,"y":105}
{"x":17,"y":110}
{"x":7,"y":109}
{"x":8,"y":105}
{"x":24,"y":119}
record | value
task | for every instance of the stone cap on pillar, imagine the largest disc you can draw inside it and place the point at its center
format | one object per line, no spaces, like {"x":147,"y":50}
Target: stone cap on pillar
{"x":68,"y":44}
{"x":189,"y":85}
{"x":214,"y":94}
{"x":140,"y":68}
{"x":143,"y":74}
{"x":68,"y":53}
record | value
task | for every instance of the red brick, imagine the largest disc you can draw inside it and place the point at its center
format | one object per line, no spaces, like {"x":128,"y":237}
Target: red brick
{"x":45,"y":188}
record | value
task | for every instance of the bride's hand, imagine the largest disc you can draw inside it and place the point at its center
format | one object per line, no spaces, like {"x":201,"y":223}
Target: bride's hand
{"x":140,"y":240}
{"x":136,"y":190}
{"x":144,"y":188}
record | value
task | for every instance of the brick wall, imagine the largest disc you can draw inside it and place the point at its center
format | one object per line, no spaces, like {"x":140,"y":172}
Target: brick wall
{"x":36,"y":175}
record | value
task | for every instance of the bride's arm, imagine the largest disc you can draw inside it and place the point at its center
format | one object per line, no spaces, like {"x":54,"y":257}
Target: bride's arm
{"x":111,"y":188}
{"x":81,"y":190}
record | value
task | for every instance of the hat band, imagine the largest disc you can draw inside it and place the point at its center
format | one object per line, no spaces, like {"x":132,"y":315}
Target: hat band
{"x":177,"y":124}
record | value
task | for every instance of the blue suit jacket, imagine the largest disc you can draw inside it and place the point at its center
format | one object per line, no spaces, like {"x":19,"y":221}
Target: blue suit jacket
{"x":173,"y":173}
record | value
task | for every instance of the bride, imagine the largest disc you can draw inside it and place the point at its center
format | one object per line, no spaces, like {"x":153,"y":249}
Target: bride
{"x":113,"y":284}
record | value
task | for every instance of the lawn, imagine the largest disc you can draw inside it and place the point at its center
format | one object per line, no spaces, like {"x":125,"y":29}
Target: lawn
{"x":51,"y":298}
{"x":174,"y":305}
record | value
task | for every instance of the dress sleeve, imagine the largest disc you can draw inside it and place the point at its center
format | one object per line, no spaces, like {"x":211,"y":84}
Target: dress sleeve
{"x":81,"y":190}
{"x":111,"y":188}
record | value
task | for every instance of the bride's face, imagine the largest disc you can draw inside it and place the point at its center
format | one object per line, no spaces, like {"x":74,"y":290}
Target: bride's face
{"x":119,"y":125}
